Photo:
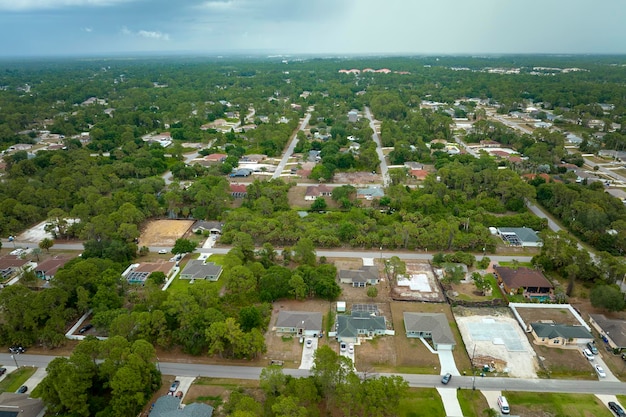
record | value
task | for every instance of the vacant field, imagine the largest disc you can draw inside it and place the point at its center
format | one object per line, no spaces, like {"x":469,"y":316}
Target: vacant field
{"x":164,"y":232}
{"x":530,"y":404}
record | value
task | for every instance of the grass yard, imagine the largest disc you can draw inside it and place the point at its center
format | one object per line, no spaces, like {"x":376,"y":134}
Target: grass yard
{"x":473,"y":404}
{"x":420,"y":402}
{"x":16,"y":379}
{"x":181,"y":285}
{"x":529,"y":404}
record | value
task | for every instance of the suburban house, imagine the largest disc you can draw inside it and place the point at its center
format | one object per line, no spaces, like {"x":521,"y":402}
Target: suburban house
{"x":519,"y":236}
{"x":370,"y":193}
{"x":253,"y":158}
{"x":198,"y":269}
{"x":11,"y":264}
{"x":530,"y":282}
{"x":613,"y":331}
{"x":49,"y":267}
{"x":14,"y":405}
{"x":214,"y":228}
{"x":169,"y":406}
{"x":241,"y":172}
{"x":303,"y":323}
{"x":360,"y":324}
{"x":359,"y":277}
{"x":238,"y":190}
{"x":215,"y":157}
{"x":432,"y":326}
{"x":138,"y":273}
{"x":418,"y":174}
{"x":315,"y":191}
{"x":554,"y":334}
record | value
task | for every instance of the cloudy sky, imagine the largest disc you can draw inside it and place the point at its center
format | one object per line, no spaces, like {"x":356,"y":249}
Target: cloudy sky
{"x":96,"y":27}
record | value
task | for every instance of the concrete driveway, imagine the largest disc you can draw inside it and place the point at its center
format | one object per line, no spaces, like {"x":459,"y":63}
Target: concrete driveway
{"x":492,"y":399}
{"x":185,"y":383}
{"x":446,"y":362}
{"x":450,"y":402}
{"x":307,"y":353}
{"x":35,"y":379}
{"x":608,"y":398}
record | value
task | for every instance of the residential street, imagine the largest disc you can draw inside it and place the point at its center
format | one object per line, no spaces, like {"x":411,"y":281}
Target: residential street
{"x":465,"y":382}
{"x":384,"y":171}
{"x":292,"y":144}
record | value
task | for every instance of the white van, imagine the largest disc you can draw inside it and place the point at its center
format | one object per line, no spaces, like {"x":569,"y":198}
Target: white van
{"x":503,"y":404}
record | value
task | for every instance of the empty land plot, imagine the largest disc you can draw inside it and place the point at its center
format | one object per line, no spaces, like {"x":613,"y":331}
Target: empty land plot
{"x":164,"y":232}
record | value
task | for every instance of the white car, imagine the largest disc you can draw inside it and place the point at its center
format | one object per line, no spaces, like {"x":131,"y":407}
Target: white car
{"x":587,"y":354}
{"x":342,"y":346}
{"x":309,"y":343}
{"x":600,"y":371}
{"x":350,"y":348}
{"x":163,"y":251}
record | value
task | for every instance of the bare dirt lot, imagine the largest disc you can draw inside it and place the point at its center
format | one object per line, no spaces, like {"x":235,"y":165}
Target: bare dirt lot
{"x":356,"y":178}
{"x":164,"y":232}
{"x":556,"y":315}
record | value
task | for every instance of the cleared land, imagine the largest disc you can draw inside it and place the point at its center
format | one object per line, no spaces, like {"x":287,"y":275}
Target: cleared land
{"x":164,"y":232}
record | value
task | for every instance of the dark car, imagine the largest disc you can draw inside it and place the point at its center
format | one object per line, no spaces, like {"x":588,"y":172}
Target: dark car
{"x":592,"y":347}
{"x":85,"y":329}
{"x":22,"y":389}
{"x":17,"y":349}
{"x":619,"y":411}
{"x":446,"y":378}
{"x":3,"y":371}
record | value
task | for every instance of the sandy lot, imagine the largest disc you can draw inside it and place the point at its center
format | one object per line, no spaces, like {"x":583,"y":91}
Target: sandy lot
{"x":518,"y":363}
{"x":164,"y":232}
{"x":35,"y":234}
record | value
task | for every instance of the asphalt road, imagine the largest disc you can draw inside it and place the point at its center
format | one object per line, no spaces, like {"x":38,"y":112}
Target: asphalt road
{"x":384,"y":171}
{"x":291,"y":147}
{"x":465,"y":382}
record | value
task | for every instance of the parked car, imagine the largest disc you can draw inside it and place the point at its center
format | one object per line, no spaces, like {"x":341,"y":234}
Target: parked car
{"x":619,"y":411}
{"x":592,"y":347}
{"x":22,"y":389}
{"x":309,"y":343}
{"x":600,"y":371}
{"x":17,"y":349}
{"x":446,"y":378}
{"x":85,"y":328}
{"x":163,"y":251}
{"x":174,"y":386}
{"x":587,"y":354}
{"x":3,"y":371}
{"x":350,"y":348}
{"x":343,"y":346}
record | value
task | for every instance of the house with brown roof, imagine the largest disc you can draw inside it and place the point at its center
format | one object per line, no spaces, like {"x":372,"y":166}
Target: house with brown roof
{"x":315,"y":191}
{"x":238,"y":190}
{"x":215,"y":157}
{"x":530,"y":282}
{"x":49,"y":267}
{"x":138,"y":273}
{"x":10,"y":265}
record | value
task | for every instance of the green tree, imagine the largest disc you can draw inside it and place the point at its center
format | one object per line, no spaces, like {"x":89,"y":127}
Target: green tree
{"x":46,"y":244}
{"x":372,"y":292}
{"x":297,"y":287}
{"x":319,"y":204}
{"x":304,"y":251}
{"x":157,"y":277}
{"x":184,"y":246}
{"x":608,"y":297}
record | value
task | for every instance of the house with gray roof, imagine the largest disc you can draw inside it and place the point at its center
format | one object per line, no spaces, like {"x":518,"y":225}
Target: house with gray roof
{"x":170,"y":406}
{"x":613,"y":331}
{"x":360,"y":324}
{"x":198,"y":269}
{"x":20,"y":405}
{"x":359,"y":277}
{"x":304,"y":323}
{"x":554,"y":334}
{"x":432,"y":326}
{"x":519,"y":236}
{"x":213,"y":227}
{"x":370,"y":193}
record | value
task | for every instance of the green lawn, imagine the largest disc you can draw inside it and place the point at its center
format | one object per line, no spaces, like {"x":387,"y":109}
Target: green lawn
{"x":473,"y":403}
{"x":556,"y":405}
{"x":16,"y":379}
{"x":424,"y":402}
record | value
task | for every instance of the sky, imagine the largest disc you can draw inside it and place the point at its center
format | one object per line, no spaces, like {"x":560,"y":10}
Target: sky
{"x":321,"y":27}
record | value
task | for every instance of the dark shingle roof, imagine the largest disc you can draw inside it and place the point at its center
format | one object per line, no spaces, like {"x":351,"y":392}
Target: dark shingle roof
{"x":167,"y":406}
{"x":522,"y":277}
{"x":552,"y":330}
{"x":435,"y":323}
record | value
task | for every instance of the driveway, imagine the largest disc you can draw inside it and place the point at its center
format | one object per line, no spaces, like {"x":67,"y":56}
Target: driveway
{"x":446,"y":362}
{"x":609,"y":375}
{"x":608,"y":398}
{"x":35,"y":379}
{"x":307,"y":353}
{"x":492,"y":399}
{"x":450,"y":402}
{"x":185,"y":383}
